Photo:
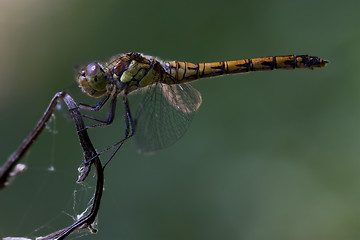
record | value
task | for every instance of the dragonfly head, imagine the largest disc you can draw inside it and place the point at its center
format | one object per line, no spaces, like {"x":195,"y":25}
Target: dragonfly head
{"x":93,"y":80}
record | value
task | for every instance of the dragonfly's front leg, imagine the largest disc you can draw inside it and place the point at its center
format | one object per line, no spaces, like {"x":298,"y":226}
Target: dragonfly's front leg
{"x":97,"y":107}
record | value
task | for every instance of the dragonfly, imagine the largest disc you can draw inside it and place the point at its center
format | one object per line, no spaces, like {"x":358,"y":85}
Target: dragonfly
{"x":169,"y":100}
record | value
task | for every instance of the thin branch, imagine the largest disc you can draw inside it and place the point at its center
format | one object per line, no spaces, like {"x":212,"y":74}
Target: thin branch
{"x":89,"y":154}
{"x":5,"y":170}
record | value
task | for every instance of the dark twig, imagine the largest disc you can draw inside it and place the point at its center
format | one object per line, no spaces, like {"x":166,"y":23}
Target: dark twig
{"x":5,"y":170}
{"x":90,"y":157}
{"x":89,"y":152}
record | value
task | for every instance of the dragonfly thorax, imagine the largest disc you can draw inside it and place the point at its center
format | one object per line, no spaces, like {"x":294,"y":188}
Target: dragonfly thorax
{"x":139,"y":73}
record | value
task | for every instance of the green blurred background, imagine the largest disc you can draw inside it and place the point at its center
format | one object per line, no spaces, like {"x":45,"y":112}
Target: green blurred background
{"x":269,"y":155}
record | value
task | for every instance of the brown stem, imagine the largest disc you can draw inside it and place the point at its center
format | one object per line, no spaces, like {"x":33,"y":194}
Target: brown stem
{"x":6,"y":169}
{"x":89,"y":154}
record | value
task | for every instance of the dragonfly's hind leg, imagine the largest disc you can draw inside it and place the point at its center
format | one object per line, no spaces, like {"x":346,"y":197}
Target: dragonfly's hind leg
{"x":129,"y":132}
{"x":129,"y":129}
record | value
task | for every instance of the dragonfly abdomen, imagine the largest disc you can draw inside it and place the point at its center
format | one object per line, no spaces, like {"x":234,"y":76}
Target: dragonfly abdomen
{"x":185,"y":71}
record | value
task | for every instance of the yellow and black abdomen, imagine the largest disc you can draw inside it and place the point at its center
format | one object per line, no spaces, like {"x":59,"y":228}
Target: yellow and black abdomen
{"x":185,"y":71}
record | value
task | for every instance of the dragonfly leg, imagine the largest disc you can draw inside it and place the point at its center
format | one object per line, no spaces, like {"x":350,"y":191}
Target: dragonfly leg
{"x":109,"y":118}
{"x":129,"y":132}
{"x":93,"y":118}
{"x":98,"y":105}
{"x":129,"y":129}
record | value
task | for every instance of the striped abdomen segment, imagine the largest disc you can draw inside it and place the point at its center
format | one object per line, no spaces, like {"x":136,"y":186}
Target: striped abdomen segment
{"x":185,"y":71}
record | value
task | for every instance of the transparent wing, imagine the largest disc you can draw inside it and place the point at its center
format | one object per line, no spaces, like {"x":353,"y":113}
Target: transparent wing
{"x":164,"y":115}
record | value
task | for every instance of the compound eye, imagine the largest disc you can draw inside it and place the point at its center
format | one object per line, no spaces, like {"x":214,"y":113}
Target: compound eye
{"x":92,"y":69}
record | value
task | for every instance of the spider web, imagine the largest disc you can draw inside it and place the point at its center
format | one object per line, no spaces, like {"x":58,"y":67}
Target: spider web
{"x":45,"y":198}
